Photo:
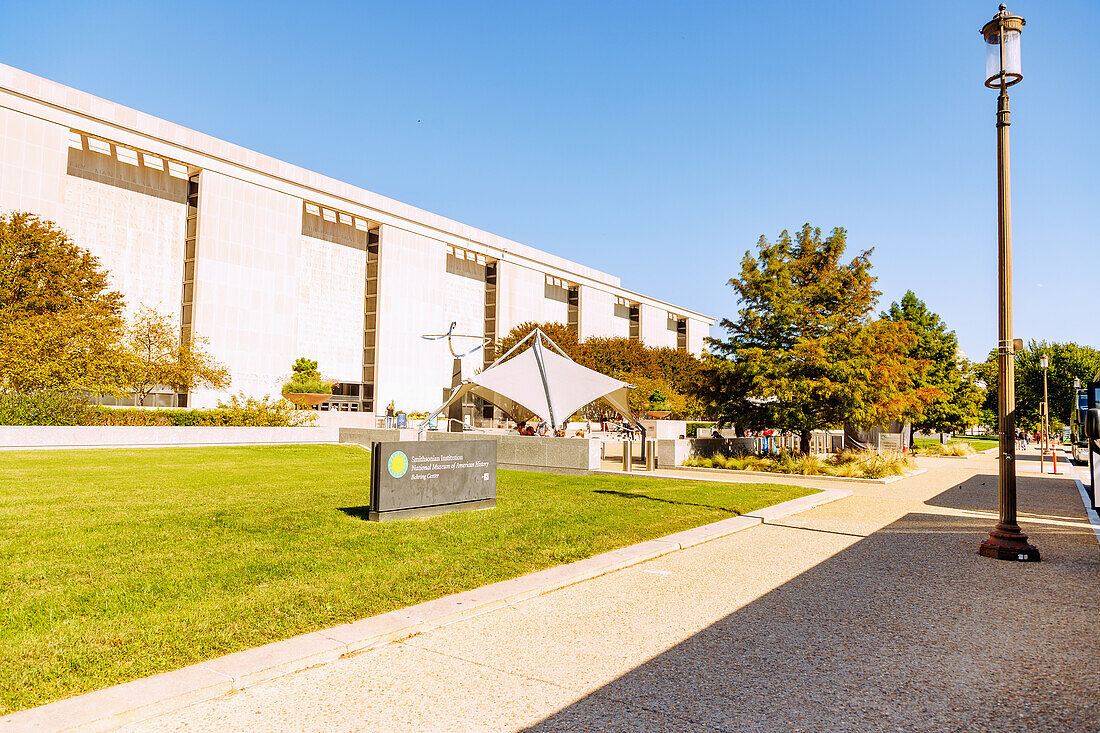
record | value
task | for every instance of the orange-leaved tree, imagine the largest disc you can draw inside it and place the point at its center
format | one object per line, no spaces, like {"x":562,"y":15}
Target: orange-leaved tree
{"x":60,"y":323}
{"x":803,"y":352}
{"x":158,"y":357}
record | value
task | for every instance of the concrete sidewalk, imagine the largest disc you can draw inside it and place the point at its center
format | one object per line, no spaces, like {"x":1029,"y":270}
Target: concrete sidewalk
{"x":870,"y":613}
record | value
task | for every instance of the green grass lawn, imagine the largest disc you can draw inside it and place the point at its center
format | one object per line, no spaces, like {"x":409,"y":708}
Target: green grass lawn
{"x":120,"y":564}
{"x":976,"y":442}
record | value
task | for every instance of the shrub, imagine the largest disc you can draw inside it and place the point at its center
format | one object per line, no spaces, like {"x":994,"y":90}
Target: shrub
{"x":306,"y":379}
{"x":43,"y":408}
{"x":694,"y":427}
{"x":308,"y":386}
{"x":53,"y":408}
{"x":265,"y":412}
{"x":130,"y":417}
{"x":238,"y":412}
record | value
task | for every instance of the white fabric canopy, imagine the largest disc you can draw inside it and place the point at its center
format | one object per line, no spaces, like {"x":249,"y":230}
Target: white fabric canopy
{"x":542,"y":383}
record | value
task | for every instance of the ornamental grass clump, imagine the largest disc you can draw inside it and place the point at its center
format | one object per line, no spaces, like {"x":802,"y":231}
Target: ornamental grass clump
{"x":960,"y":449}
{"x":846,"y":464}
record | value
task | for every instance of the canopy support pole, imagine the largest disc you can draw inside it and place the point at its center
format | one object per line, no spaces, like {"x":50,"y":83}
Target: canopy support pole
{"x":537,"y":346}
{"x":441,"y":408}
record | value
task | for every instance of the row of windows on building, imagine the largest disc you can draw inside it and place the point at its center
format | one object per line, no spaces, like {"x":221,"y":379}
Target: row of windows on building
{"x":129,"y":156}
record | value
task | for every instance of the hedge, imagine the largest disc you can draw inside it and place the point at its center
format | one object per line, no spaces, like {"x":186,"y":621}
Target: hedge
{"x":46,"y":408}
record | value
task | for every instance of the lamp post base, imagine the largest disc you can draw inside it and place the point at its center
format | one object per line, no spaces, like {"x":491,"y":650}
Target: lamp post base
{"x":1008,"y":543}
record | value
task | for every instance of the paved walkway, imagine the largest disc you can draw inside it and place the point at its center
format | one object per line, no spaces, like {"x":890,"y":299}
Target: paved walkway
{"x":871,"y":613}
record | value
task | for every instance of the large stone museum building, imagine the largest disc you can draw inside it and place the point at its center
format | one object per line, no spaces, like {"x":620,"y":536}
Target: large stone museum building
{"x":269,"y":261}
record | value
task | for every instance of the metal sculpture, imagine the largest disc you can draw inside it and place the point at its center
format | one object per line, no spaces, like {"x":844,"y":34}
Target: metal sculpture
{"x":450,"y":335}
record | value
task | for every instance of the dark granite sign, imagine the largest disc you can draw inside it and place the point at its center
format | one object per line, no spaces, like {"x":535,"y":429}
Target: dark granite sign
{"x":419,"y":479}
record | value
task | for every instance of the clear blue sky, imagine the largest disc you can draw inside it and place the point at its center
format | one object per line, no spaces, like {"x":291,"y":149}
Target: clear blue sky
{"x":653,"y":141}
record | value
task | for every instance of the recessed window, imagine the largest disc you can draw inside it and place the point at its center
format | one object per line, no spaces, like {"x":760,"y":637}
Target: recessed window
{"x":125,"y":155}
{"x":99,"y":146}
{"x":152,"y":161}
{"x":328,"y":215}
{"x":75,"y":141}
{"x":313,"y":209}
{"x":344,"y":218}
{"x":177,"y":169}
{"x":362,"y":224}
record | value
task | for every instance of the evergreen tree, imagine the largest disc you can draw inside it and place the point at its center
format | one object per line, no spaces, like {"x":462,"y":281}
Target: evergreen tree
{"x":955,"y":396}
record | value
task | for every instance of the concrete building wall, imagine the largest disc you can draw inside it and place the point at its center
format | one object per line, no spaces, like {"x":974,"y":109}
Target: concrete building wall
{"x":266,"y":294}
{"x":331,"y":281}
{"x":601,"y":315}
{"x":245,"y":283}
{"x":654,"y":326}
{"x":273,"y":279}
{"x":411,"y":371}
{"x":521,"y":297}
{"x":32,"y":165}
{"x":697,"y":333}
{"x":555,"y":303}
{"x":132,"y":218}
{"x":463,"y":286}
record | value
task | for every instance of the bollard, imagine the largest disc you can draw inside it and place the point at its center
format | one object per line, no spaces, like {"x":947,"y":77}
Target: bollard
{"x":1053,"y":460}
{"x":651,"y":455}
{"x":627,"y":458}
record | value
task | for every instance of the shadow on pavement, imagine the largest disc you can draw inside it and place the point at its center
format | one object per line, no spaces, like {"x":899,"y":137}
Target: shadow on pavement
{"x":907,"y":629}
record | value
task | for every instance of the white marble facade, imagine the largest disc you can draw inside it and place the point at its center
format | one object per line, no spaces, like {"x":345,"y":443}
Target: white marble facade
{"x":281,"y":254}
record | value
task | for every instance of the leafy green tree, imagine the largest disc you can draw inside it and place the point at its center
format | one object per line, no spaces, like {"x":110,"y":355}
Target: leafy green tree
{"x":60,"y":324}
{"x":955,"y":398}
{"x":680,"y":369}
{"x":803,"y":353}
{"x":1068,"y":361}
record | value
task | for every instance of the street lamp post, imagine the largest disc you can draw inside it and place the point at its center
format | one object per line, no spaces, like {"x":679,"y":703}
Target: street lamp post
{"x":1002,"y":70}
{"x":1075,"y":428}
{"x":1044,"y":362}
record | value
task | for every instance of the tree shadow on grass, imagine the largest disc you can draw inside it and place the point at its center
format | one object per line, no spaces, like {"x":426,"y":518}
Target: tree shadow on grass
{"x":907,"y":629}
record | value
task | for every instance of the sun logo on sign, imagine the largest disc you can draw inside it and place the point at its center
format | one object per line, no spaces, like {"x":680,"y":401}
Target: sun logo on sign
{"x":399,"y":464}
